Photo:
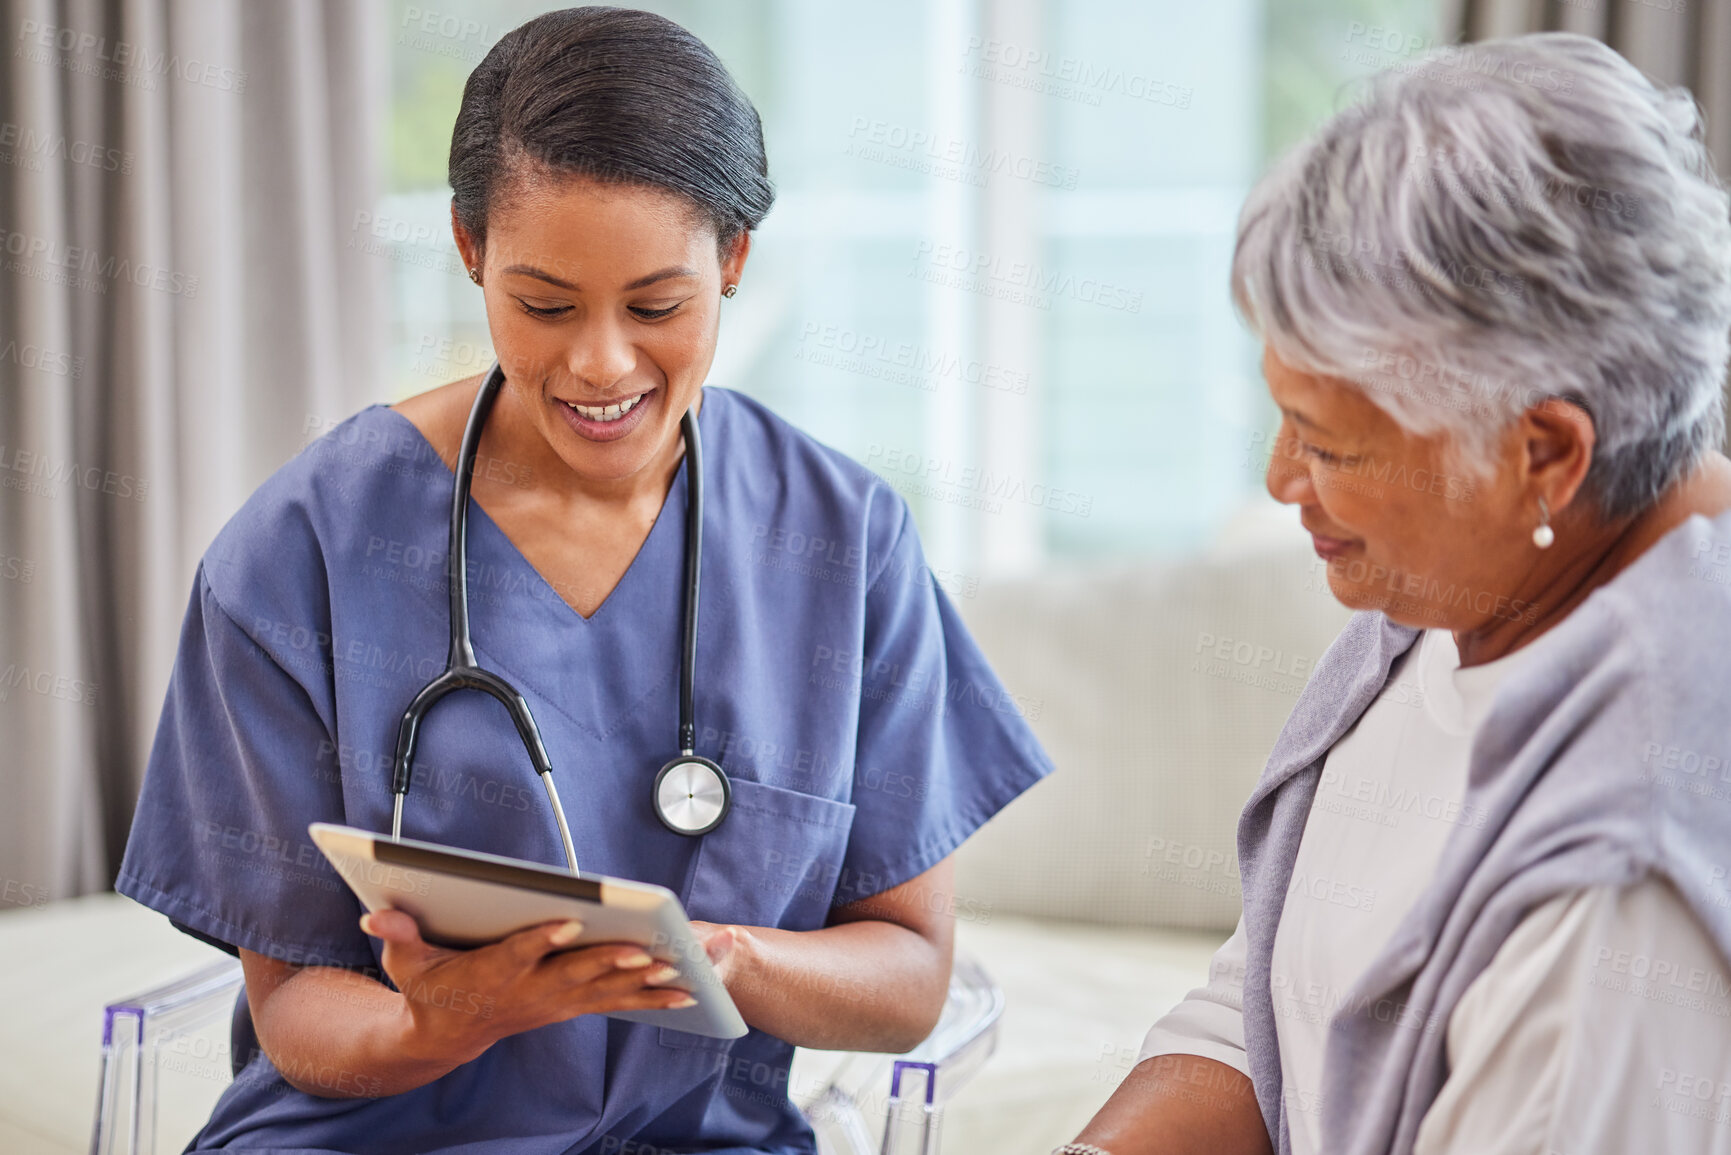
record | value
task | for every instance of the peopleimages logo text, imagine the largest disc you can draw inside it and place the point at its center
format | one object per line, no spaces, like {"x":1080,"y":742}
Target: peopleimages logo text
{"x":124,"y":54}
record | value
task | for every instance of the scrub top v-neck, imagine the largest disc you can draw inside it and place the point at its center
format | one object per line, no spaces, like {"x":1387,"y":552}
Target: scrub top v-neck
{"x":478,"y":514}
{"x":864,"y":734}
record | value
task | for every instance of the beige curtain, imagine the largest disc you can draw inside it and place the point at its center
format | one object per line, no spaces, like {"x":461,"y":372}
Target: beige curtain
{"x":177,"y":179}
{"x":1685,"y":42}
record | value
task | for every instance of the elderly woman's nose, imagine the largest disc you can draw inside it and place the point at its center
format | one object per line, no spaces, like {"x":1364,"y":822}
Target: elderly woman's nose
{"x":1288,"y":476}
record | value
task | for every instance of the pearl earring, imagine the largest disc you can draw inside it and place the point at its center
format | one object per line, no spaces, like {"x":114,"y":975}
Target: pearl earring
{"x":1544,"y":535}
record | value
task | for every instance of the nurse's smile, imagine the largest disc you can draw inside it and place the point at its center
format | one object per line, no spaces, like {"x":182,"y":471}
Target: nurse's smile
{"x":607,"y":421}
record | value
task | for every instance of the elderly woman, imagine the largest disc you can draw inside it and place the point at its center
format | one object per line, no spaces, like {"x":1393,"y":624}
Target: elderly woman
{"x":1491,"y":916}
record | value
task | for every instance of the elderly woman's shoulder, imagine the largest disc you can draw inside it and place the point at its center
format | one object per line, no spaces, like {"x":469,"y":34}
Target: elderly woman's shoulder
{"x":1683,"y":583}
{"x":1668,"y":618}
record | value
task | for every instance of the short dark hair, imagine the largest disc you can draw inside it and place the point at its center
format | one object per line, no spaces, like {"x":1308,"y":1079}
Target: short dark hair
{"x":616,"y":95}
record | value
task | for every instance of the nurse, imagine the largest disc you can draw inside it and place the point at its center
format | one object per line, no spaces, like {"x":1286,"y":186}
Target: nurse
{"x":607,"y":174}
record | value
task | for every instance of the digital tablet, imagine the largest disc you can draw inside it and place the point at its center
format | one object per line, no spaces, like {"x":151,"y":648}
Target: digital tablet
{"x":463,"y":898}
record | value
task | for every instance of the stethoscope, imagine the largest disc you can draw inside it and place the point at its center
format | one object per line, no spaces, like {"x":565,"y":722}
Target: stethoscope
{"x":692,"y":794}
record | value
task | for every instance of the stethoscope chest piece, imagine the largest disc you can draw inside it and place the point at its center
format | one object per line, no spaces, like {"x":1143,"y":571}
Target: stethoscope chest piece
{"x":692,"y":795}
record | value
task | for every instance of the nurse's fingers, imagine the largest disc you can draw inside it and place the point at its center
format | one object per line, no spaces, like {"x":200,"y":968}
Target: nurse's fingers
{"x":392,"y":926}
{"x":404,"y":952}
{"x":401,"y":935}
{"x":405,"y":955}
{"x":581,"y":967}
{"x":720,"y":943}
{"x":613,"y":994}
{"x":523,"y":951}
{"x":634,"y":989}
{"x":607,"y":1002}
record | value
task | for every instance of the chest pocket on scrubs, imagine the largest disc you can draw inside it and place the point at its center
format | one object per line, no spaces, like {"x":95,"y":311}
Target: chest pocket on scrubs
{"x":775,"y":860}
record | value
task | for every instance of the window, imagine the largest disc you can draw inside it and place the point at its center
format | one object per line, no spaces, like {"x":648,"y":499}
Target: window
{"x":996,"y":272}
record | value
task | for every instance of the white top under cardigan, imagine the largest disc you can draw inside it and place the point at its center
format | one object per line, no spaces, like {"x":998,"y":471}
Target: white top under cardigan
{"x":1602,"y":1026}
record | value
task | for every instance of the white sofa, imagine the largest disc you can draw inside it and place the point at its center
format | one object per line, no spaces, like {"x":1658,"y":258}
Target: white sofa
{"x":1095,"y":900}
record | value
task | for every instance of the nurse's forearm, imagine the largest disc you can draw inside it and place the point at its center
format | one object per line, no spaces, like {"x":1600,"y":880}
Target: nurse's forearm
{"x":1180,"y":1105}
{"x":875,"y":979}
{"x":341,"y":1035}
{"x":860,"y":986}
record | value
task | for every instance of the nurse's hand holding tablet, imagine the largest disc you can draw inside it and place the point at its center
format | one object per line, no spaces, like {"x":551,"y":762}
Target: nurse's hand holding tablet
{"x":476,"y":997}
{"x":534,"y":537}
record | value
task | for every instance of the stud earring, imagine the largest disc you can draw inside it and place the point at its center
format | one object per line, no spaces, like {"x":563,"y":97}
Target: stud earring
{"x":474,"y":274}
{"x":730,"y":290}
{"x":1544,"y":535}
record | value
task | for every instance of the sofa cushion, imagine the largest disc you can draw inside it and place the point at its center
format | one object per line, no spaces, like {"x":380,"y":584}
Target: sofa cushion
{"x":1158,"y":689}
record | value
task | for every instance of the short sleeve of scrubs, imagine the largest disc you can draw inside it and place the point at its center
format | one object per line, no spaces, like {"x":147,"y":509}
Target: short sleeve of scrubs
{"x":239,"y":768}
{"x":942,"y":744}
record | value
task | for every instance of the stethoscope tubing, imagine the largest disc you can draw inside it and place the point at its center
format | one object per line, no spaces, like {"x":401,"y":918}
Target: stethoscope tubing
{"x":462,"y":672}
{"x":693,"y":584}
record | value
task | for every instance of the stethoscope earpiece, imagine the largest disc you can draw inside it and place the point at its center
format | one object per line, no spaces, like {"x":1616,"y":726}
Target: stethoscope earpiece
{"x":692,"y":795}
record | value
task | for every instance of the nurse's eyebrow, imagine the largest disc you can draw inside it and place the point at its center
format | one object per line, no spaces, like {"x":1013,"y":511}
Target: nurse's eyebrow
{"x":666,"y":274}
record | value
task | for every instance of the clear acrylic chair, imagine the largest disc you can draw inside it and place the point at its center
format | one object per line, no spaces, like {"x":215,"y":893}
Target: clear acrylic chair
{"x":165,"y":1059}
{"x":859,"y":1103}
{"x":166,"y":1056}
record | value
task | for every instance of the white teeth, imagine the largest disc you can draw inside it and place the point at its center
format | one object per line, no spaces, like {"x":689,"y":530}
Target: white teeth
{"x":609,"y":412}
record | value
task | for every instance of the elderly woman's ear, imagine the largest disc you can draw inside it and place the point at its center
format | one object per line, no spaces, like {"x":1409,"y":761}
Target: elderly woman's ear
{"x":1556,"y":450}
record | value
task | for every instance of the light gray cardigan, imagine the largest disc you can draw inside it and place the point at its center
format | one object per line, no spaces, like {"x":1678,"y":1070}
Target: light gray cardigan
{"x":1605,"y":758}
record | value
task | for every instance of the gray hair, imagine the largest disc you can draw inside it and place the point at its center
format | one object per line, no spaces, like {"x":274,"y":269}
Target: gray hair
{"x":1497,"y":224}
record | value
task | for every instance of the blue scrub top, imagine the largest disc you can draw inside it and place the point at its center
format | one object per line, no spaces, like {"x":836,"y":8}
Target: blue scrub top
{"x":865,"y":736}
